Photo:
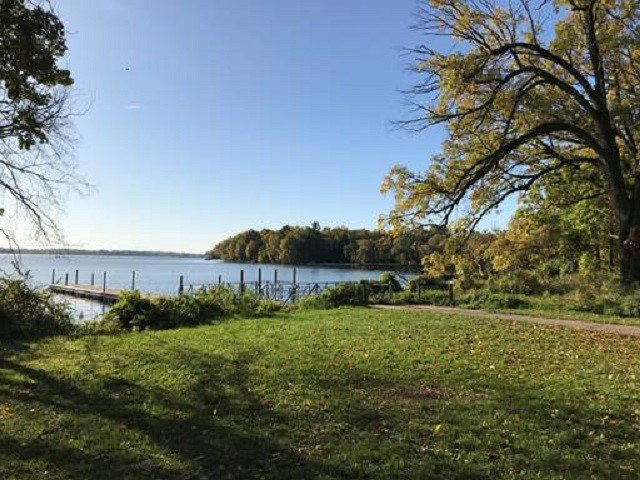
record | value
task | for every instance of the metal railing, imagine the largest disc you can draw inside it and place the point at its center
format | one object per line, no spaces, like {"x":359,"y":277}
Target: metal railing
{"x":286,"y":292}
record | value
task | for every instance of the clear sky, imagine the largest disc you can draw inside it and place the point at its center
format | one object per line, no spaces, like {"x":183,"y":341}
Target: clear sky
{"x":209,"y":117}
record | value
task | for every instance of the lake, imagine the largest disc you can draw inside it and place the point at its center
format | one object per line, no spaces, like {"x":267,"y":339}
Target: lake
{"x":161,"y":274}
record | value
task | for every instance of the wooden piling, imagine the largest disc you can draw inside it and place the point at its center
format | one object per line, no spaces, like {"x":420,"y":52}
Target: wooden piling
{"x":66,"y":278}
{"x":77,"y":277}
{"x":104,"y":282}
{"x":133,"y":280}
{"x":53,"y":277}
{"x":181,"y":285}
{"x":241,"y":282}
{"x":275,"y":284}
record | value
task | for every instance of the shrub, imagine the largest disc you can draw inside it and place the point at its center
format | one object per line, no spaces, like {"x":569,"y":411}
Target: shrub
{"x":406,"y":297}
{"x":480,"y":299}
{"x":103,"y":326}
{"x":391,"y":281}
{"x":522,"y":282}
{"x":560,"y":285}
{"x":426,"y":282}
{"x":26,"y":312}
{"x":340,"y":295}
{"x":610,"y":303}
{"x":435,"y":297}
{"x":134,"y":312}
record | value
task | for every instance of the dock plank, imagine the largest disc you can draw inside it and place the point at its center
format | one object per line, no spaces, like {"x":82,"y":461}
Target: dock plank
{"x":87,"y":291}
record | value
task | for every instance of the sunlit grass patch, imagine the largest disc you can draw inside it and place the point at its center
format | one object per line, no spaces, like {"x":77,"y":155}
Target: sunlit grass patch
{"x":346,"y":393}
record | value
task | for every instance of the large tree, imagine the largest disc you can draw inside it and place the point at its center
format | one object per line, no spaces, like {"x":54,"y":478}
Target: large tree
{"x":527,"y":89}
{"x":35,"y":115}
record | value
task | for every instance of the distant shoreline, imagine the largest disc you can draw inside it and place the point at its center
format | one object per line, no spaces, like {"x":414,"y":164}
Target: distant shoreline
{"x":111,"y":253}
{"x":355,"y":266}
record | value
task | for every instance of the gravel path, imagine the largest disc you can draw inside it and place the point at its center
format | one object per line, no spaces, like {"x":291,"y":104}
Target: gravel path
{"x":553,"y":322}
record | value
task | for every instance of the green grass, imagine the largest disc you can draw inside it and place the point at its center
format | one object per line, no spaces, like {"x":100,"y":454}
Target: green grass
{"x":565,"y":307}
{"x":564,"y":314}
{"x":348,"y":393}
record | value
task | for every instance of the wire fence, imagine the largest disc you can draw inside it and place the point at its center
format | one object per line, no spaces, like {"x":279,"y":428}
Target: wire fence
{"x":274,"y":289}
{"x":286,"y":292}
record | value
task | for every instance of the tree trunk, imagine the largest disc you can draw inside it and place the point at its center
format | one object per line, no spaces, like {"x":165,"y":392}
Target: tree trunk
{"x":626,"y":267}
{"x":630,"y":241}
{"x":629,"y":268}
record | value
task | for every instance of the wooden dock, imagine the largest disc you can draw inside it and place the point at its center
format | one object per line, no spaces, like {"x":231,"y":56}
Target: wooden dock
{"x":87,"y":291}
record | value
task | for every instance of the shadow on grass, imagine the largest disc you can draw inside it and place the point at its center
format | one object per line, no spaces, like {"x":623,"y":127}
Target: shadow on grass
{"x":217,"y":429}
{"x":115,"y":428}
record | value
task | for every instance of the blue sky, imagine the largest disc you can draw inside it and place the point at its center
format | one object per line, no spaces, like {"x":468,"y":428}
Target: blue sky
{"x":209,"y":117}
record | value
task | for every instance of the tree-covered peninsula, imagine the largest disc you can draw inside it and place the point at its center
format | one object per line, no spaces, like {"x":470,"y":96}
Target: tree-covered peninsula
{"x":317,"y":245}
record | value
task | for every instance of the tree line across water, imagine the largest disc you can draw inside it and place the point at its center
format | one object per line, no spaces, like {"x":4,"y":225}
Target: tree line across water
{"x":317,"y":245}
{"x":543,"y":248}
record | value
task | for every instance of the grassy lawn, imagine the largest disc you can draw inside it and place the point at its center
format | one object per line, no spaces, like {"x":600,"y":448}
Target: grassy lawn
{"x":544,"y":310}
{"x":545,"y":306}
{"x":349,"y":393}
{"x":565,"y":307}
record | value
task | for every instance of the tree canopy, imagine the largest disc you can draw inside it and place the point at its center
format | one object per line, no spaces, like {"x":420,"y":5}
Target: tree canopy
{"x":537,"y":96}
{"x":35,"y":112}
{"x":313,"y":244}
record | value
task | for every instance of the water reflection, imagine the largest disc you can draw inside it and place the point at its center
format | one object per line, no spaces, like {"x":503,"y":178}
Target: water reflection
{"x":83,"y":310}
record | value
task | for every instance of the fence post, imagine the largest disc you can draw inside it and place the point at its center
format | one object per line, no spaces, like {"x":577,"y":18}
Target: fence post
{"x":66,"y":278}
{"x":259,"y":282}
{"x":77,"y":276}
{"x":181,"y":285}
{"x":104,"y":282}
{"x":295,"y":286}
{"x":93,"y":279}
{"x":241,"y":282}
{"x":53,"y":277}
{"x":133,"y":280}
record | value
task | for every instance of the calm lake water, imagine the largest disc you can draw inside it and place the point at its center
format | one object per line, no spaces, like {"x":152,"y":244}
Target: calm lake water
{"x":162,"y":274}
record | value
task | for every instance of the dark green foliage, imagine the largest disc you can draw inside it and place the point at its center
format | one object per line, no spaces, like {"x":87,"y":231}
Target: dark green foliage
{"x":517,"y":282}
{"x":390,"y":280}
{"x":488,"y":300}
{"x":426,"y":282}
{"x":478,"y":299}
{"x":344,"y":294}
{"x":427,"y":297}
{"x":609,"y":302}
{"x":32,"y":41}
{"x":306,"y":245}
{"x":27,"y":312}
{"x":134,"y":312}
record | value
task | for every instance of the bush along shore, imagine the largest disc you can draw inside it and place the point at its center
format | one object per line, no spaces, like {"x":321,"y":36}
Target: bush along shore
{"x":27,"y":312}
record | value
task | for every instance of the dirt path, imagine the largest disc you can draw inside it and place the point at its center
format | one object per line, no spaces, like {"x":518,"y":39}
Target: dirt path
{"x":553,"y":322}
